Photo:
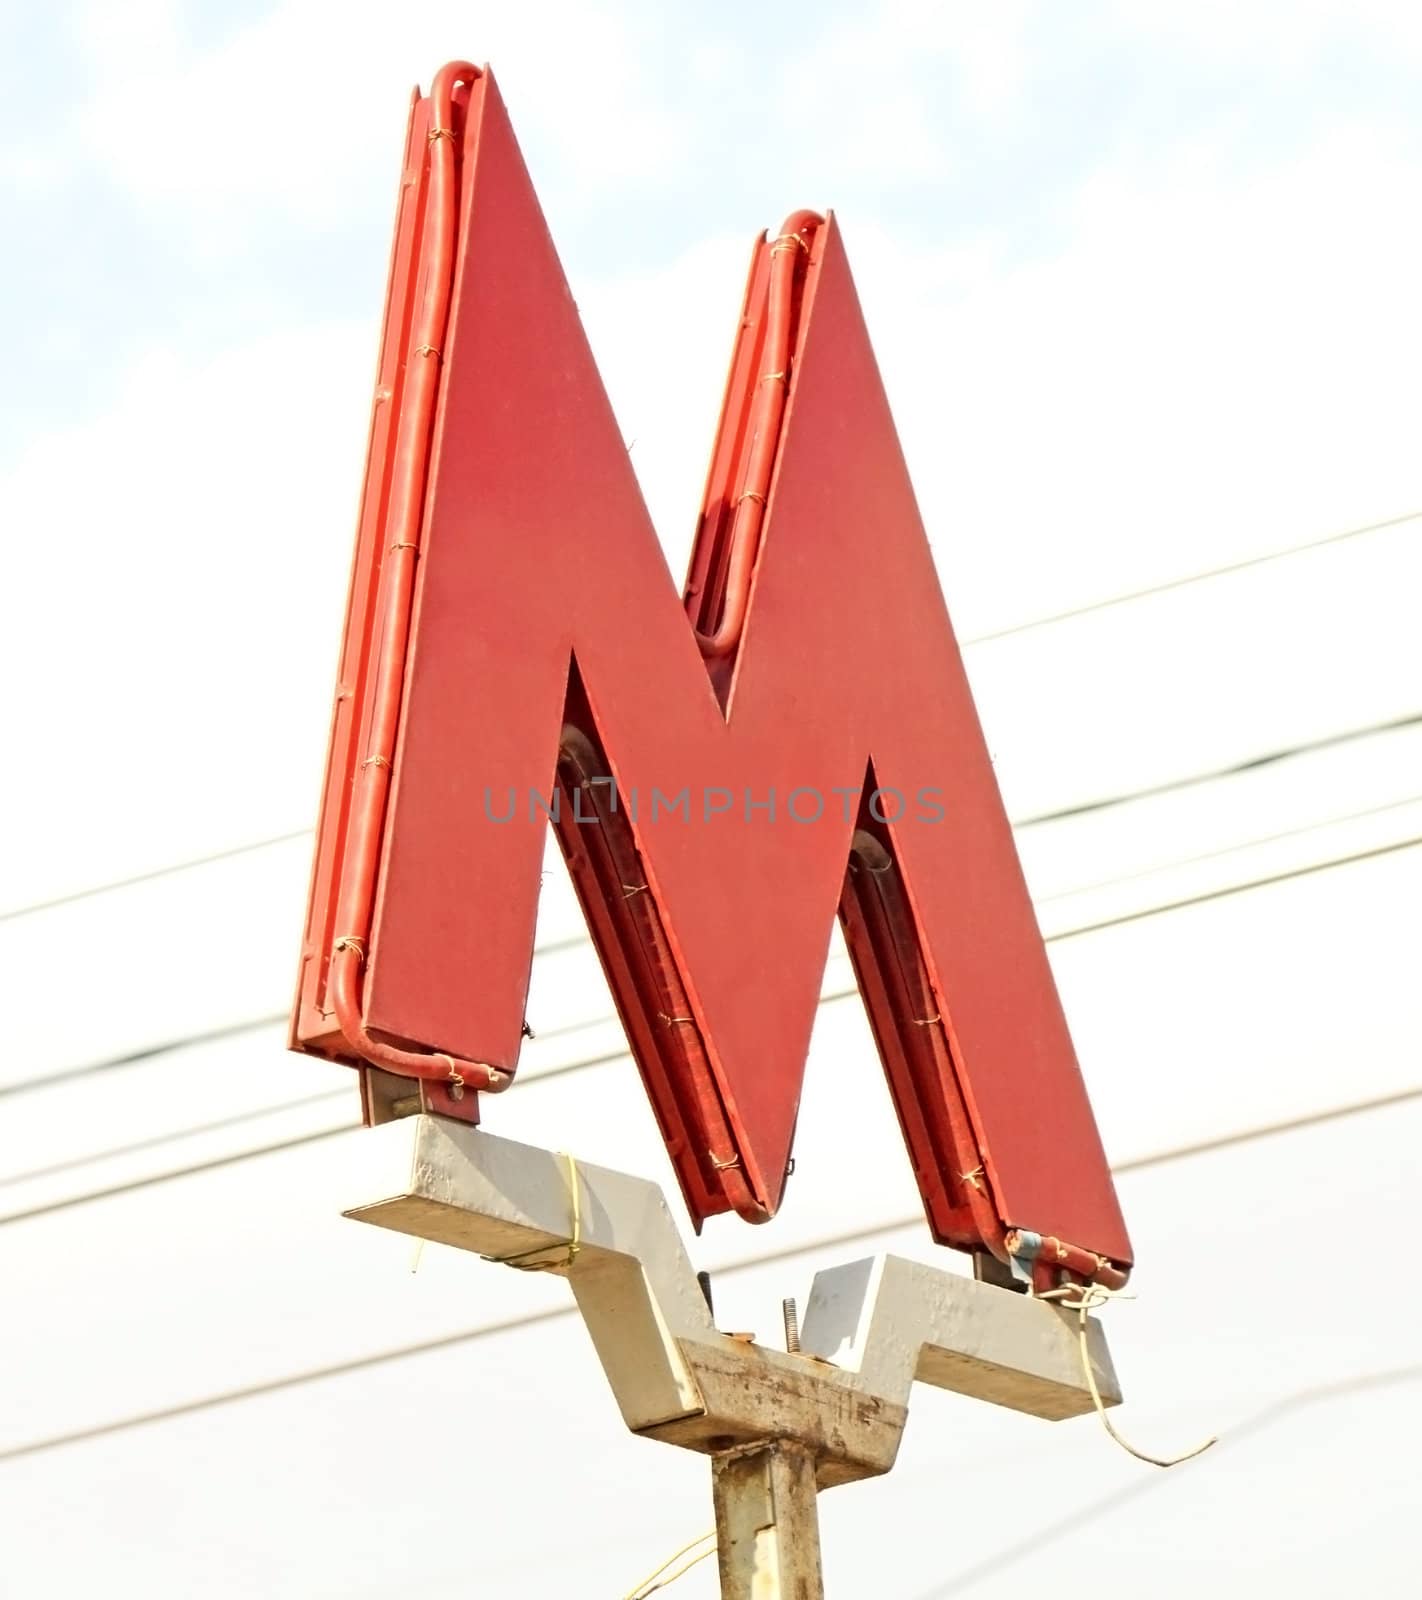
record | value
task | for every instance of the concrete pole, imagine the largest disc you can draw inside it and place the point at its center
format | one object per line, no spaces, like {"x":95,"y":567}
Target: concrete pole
{"x":767,"y":1522}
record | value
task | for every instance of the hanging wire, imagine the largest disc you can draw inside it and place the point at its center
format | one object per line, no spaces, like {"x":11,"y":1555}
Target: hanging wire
{"x":655,"y":1580}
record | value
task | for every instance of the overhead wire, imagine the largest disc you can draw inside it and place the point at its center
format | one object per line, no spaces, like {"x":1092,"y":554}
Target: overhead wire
{"x":578,"y":940}
{"x":190,"y":864}
{"x":1255,"y":843}
{"x":1074,"y":1521}
{"x":1224,"y":570}
{"x":606,"y":1058}
{"x":1228,"y":890}
{"x":533,"y":1319}
{"x":130,"y":1186}
{"x":1234,"y":769}
{"x":156,"y":1141}
{"x":223,"y":1031}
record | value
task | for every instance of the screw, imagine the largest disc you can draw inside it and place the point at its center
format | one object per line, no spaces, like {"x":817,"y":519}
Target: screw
{"x":792,"y":1326}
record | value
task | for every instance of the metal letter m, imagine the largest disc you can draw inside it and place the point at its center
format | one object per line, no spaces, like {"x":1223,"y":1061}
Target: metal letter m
{"x":514,"y":626}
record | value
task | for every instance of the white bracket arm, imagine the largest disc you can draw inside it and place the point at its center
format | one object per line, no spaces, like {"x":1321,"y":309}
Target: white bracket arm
{"x":869,"y":1330}
{"x":889,"y":1321}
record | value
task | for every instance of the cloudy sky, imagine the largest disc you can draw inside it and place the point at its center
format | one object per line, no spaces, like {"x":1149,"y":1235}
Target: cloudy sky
{"x":1142,"y":280}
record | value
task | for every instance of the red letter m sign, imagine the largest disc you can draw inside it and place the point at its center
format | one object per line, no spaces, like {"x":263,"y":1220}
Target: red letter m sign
{"x":791,"y":738}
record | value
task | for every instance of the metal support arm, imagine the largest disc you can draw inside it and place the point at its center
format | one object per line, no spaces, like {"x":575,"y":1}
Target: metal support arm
{"x":830,"y":1413}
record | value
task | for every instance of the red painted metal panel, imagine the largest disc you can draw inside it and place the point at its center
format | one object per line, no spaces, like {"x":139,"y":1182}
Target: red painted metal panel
{"x":548,"y":649}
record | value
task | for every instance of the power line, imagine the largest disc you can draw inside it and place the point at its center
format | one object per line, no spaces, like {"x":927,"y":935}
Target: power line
{"x":153,"y":1180}
{"x":1193,"y":578}
{"x":295,"y":1380}
{"x":133,"y":1058}
{"x":575,"y":941}
{"x":156,"y":872}
{"x":1062,"y":1527}
{"x":53,"y":1079}
{"x":534,"y":1319}
{"x":1236,"y":769}
{"x":1257,"y":842}
{"x":133,"y":1185}
{"x":1236,"y":888}
{"x":582,"y":1026}
{"x":157,"y":1140}
{"x":399,"y":1353}
{"x":1269,"y":1130}
{"x":978,"y":639}
{"x":226,"y":1030}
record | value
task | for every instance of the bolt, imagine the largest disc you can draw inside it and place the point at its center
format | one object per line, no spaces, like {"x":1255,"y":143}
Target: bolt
{"x":792,"y":1326}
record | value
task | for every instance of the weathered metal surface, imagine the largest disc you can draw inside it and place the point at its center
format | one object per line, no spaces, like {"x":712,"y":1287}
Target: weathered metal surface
{"x":870,"y":1329}
{"x":545,"y":653}
{"x":767,"y":1524}
{"x":779,"y":1426}
{"x":892,"y":1320}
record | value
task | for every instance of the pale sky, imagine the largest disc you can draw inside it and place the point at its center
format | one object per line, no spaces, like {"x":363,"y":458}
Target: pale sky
{"x":1142,"y":281}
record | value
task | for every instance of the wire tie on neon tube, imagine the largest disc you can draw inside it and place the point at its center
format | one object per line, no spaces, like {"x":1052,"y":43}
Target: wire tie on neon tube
{"x":629,"y":889}
{"x":973,"y":1178}
{"x":926,"y":1022}
{"x":404,"y":544}
{"x":1088,"y":1297}
{"x":440,"y":133}
{"x":426,"y":350}
{"x":784,"y":242}
{"x":775,"y":377}
{"x":350,"y":942}
{"x":520,"y":1259}
{"x":751,"y":494}
{"x":671,"y":1021}
{"x":376,"y":761}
